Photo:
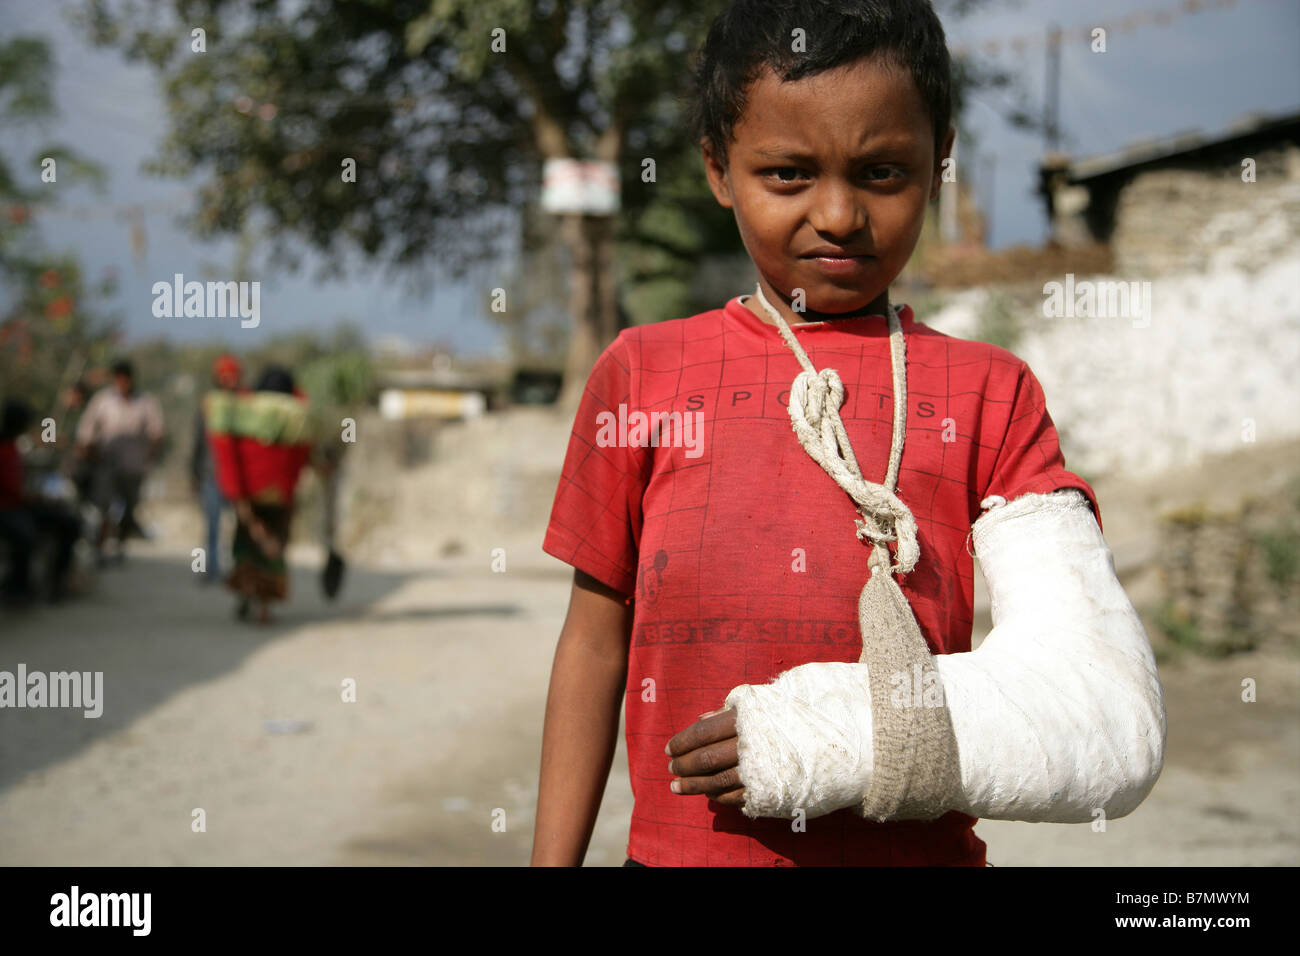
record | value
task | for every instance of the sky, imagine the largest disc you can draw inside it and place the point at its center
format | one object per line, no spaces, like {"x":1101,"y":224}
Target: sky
{"x":1198,"y":71}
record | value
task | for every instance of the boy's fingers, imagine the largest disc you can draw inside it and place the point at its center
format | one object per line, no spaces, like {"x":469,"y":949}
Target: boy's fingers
{"x":728,"y":781}
{"x":732,"y":798}
{"x":720,"y":726}
{"x":707,"y":761}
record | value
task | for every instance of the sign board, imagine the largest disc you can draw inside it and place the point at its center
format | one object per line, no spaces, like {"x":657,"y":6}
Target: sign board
{"x":580,"y":186}
{"x":397,"y":404}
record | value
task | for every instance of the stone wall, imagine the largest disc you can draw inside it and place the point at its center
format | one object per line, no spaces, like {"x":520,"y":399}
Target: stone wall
{"x":1231,"y":577}
{"x":1187,"y":219}
{"x":1214,"y":368}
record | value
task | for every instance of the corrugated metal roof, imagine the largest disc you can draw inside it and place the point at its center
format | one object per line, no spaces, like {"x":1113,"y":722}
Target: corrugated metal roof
{"x":1146,"y":151}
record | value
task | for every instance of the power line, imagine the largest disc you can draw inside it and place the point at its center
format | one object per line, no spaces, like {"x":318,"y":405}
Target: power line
{"x":1023,"y":43}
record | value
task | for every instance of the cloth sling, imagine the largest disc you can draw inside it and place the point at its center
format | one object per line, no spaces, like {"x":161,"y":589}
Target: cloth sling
{"x":915,"y":771}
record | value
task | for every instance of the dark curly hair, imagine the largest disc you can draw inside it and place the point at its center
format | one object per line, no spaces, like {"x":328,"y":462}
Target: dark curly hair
{"x":275,"y":378}
{"x":753,"y":35}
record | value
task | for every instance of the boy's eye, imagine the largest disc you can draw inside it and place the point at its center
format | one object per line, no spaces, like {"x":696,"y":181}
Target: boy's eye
{"x":784,"y":174}
{"x":875,"y":174}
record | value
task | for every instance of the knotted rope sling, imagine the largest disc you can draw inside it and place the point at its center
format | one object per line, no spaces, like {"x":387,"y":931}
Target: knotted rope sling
{"x":915,"y":771}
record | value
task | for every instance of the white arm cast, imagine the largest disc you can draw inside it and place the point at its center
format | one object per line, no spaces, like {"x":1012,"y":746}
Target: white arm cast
{"x":1059,"y":712}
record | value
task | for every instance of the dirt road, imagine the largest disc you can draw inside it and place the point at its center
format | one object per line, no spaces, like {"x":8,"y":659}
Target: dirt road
{"x":450,"y":664}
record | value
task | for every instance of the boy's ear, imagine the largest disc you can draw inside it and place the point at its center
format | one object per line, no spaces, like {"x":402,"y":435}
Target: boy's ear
{"x":944,"y":153}
{"x":716,"y":173}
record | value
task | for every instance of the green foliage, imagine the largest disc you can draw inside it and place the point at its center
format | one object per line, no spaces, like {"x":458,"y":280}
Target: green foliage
{"x":1180,"y":629}
{"x":51,"y":328}
{"x":1281,"y":551}
{"x":925,"y":303}
{"x":442,"y":129}
{"x":447,"y":134}
{"x":50,"y":332}
{"x":25,"y":70}
{"x":345,"y":379}
{"x":338,"y":385}
{"x":1186,"y":634}
{"x":1188,"y":517}
{"x":999,"y":322}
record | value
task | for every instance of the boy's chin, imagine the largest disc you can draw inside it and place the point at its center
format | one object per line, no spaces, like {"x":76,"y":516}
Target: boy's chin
{"x":839,"y":301}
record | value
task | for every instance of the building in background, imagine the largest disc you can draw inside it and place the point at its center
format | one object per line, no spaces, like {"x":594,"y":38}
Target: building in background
{"x":1151,"y":202}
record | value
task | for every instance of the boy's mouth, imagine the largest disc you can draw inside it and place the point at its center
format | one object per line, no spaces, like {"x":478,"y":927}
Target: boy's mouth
{"x":833,"y":252}
{"x":837,"y":261}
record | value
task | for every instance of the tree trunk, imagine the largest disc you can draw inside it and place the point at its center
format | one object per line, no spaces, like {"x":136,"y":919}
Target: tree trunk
{"x":593,"y":299}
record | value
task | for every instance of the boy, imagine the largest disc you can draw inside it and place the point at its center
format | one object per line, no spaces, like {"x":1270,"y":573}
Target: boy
{"x":699,"y":578}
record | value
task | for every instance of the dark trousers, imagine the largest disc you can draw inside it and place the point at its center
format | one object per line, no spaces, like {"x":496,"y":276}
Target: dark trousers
{"x":22,"y":528}
{"x":115,"y":486}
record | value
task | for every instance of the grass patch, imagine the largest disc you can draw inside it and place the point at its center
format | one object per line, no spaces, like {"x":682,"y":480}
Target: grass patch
{"x":999,"y":323}
{"x":1281,"y":555}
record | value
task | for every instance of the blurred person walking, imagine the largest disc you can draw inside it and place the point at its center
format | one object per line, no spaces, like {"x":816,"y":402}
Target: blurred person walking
{"x":121,"y":433}
{"x":227,"y":375}
{"x":260,"y":444}
{"x":77,"y":467}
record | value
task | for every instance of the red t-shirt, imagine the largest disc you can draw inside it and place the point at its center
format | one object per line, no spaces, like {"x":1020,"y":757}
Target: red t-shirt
{"x":11,"y":476}
{"x":740,"y":552}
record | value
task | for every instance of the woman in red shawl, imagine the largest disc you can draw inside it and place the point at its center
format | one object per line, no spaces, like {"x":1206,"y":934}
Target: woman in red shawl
{"x":260,"y":443}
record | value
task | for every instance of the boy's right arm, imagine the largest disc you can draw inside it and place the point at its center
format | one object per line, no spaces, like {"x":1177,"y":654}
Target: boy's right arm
{"x":588,"y":681}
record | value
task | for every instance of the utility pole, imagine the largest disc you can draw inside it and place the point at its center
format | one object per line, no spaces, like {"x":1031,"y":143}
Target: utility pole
{"x":990,"y":166}
{"x":1052,"y":99}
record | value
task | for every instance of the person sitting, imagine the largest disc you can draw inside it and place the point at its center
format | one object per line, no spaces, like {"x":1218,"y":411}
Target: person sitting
{"x":25,"y":518}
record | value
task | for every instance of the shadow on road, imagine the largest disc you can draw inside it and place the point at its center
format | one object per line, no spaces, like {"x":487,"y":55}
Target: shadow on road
{"x":441,"y":613}
{"x":153,"y":630}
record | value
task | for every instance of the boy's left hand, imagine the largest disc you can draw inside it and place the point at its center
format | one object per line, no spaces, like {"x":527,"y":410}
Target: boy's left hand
{"x":706,"y":759}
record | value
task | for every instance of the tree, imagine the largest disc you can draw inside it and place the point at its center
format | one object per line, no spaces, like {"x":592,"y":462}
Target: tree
{"x":50,"y":326}
{"x":444,"y":110}
{"x":445,"y":132}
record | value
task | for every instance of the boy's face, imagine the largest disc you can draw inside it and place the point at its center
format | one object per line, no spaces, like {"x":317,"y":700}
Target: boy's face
{"x":837,"y":164}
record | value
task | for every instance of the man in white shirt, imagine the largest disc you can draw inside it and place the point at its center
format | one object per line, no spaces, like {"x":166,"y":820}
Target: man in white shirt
{"x":122,"y":432}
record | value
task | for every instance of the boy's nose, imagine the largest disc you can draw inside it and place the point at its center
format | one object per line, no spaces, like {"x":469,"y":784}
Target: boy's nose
{"x":837,"y":210}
